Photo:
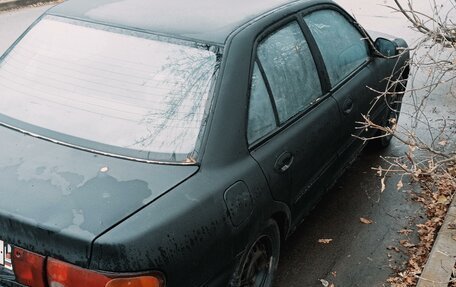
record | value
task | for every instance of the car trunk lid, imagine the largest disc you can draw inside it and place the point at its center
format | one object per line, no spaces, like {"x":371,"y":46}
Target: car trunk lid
{"x":55,"y":200}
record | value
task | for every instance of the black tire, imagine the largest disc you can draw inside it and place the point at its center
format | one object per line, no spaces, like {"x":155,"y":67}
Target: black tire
{"x":258,"y":265}
{"x":393,"y":108}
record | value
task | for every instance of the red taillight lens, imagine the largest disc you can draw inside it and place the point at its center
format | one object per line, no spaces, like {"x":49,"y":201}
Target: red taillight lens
{"x":28,"y":267}
{"x":143,"y":281}
{"x":61,"y":274}
{"x":65,"y":275}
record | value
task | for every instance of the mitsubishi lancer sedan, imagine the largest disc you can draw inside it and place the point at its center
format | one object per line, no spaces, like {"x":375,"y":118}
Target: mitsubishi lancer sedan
{"x":179,"y":143}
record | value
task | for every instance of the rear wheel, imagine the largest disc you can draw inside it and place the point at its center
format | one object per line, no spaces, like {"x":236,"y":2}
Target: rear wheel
{"x":257,"y":267}
{"x":393,"y":109}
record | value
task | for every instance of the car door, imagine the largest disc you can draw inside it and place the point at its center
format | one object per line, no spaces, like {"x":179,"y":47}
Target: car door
{"x":293,"y":125}
{"x":345,"y":53}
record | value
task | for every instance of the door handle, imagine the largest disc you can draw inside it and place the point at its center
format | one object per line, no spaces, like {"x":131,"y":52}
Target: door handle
{"x":283,"y":162}
{"x":348,"y":106}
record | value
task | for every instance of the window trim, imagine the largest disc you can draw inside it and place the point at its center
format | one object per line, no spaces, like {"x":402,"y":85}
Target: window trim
{"x":269,"y":89}
{"x":271,"y":102}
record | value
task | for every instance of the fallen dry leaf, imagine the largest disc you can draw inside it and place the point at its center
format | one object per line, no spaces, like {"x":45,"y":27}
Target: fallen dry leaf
{"x":383,"y":185}
{"x":443,"y":143}
{"x":406,"y":231}
{"x":399,"y":185}
{"x":324,"y":282}
{"x":417,"y":173}
{"x":365,"y":220}
{"x":379,"y":171}
{"x":407,"y":244}
{"x":442,"y":199}
{"x":452,"y":171}
{"x":393,"y":248}
{"x":325,"y":241}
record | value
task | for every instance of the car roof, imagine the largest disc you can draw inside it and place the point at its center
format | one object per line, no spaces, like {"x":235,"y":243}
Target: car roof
{"x":210,"y":21}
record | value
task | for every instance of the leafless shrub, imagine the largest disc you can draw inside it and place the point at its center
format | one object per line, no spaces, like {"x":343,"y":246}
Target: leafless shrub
{"x":429,"y":106}
{"x":427,"y":129}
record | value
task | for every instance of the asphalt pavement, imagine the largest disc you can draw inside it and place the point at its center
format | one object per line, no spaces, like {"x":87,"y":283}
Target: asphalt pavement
{"x":359,"y":254}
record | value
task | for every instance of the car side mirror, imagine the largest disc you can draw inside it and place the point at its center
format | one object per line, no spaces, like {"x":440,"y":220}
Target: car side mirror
{"x":386,"y":47}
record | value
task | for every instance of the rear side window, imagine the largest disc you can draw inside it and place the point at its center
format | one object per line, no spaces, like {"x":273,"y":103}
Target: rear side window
{"x":261,"y":115}
{"x":342,"y":46}
{"x":290,"y":70}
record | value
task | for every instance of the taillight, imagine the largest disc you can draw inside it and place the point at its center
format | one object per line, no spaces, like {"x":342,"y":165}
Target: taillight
{"x":61,"y":274}
{"x":142,"y":281}
{"x":28,"y":267}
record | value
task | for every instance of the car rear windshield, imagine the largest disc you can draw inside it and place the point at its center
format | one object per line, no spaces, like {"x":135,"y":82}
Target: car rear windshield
{"x":118,"y":89}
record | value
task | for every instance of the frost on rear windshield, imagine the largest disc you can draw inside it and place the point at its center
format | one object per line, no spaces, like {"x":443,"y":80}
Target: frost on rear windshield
{"x":111,"y":86}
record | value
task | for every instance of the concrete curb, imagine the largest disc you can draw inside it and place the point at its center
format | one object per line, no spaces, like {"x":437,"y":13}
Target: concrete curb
{"x":439,"y":267}
{"x":13,"y":4}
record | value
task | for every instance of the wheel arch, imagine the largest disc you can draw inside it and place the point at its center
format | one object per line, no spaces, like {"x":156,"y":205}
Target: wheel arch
{"x":282,"y":217}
